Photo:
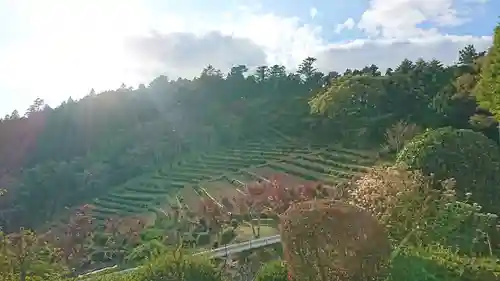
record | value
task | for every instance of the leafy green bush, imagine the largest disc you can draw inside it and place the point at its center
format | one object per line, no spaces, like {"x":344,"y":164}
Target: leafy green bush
{"x":470,"y":158}
{"x":439,"y":263}
{"x":169,"y":267}
{"x":145,"y":251}
{"x":227,"y":236}
{"x":179,"y":268}
{"x":203,"y":239}
{"x":273,"y":271}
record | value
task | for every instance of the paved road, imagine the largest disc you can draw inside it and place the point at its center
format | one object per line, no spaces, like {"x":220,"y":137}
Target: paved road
{"x":220,"y":252}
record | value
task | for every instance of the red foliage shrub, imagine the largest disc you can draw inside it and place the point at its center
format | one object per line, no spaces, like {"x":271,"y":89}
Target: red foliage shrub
{"x":329,"y":240}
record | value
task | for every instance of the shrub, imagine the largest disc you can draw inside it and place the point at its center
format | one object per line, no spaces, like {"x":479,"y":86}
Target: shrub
{"x":273,"y":271}
{"x":406,"y":204}
{"x":401,"y":200}
{"x":179,"y":268}
{"x":464,"y":155}
{"x":440,"y":263}
{"x":329,"y":240}
{"x":203,"y":239}
{"x":227,"y":236}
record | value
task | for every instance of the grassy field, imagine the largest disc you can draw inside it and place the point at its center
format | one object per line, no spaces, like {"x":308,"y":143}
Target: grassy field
{"x":223,"y":173}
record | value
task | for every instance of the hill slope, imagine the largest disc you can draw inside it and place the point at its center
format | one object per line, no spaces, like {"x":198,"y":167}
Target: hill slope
{"x":175,"y":132}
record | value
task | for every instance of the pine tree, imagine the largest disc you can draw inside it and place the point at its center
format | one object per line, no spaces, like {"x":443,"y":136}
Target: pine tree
{"x":467,"y":55}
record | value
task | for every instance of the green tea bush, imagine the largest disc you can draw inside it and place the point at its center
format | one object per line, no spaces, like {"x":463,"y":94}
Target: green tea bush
{"x":470,"y":158}
{"x":273,"y":271}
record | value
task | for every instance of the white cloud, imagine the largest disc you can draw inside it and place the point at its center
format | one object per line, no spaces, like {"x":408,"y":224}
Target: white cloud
{"x":66,"y":48}
{"x":348,"y":24}
{"x":400,"y":18}
{"x":166,"y":52}
{"x":313,"y":12}
{"x":390,"y":52}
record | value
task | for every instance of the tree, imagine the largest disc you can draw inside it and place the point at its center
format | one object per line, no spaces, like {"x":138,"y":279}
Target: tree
{"x":23,"y":255}
{"x":405,"y":66}
{"x":467,"y":55}
{"x":13,"y":116}
{"x":211,"y":71}
{"x":399,"y":134}
{"x":261,"y":73}
{"x":459,"y":154}
{"x":238,"y":71}
{"x":350,"y":98}
{"x":214,"y":217}
{"x":73,"y":237}
{"x":277,"y":72}
{"x":37,"y":106}
{"x":306,"y":68}
{"x":159,"y":82}
{"x":371,"y":70}
{"x":487,"y":90}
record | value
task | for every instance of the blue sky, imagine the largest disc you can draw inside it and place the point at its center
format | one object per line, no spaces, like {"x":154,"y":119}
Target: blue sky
{"x":54,"y":49}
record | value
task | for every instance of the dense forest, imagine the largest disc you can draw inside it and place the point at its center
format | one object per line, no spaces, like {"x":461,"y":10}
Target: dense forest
{"x":52,"y":159}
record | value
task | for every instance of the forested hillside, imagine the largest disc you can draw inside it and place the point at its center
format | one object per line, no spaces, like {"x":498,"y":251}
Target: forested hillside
{"x":54,"y":159}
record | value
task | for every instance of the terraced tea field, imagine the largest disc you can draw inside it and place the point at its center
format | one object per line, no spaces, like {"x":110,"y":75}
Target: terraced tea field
{"x":225,"y":172}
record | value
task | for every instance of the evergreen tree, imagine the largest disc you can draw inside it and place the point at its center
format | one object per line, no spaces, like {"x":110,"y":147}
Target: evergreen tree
{"x":488,"y":88}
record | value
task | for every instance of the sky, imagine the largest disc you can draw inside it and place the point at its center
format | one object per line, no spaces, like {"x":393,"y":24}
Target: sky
{"x":54,"y":49}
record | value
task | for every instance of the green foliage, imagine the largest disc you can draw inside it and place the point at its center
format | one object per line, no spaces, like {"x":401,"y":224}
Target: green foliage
{"x":470,"y":158}
{"x":350,"y":96}
{"x":146,"y":251}
{"x":203,"y":239}
{"x":227,"y":236}
{"x":439,"y":263}
{"x":488,"y":88}
{"x":183,"y":268}
{"x":467,"y":55}
{"x":273,"y":271}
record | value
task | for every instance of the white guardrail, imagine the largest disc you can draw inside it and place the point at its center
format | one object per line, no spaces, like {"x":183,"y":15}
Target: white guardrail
{"x":220,"y":252}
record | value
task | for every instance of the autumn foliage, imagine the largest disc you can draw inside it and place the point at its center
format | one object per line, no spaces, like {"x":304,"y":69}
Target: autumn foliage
{"x":279,"y":192}
{"x":329,"y":240}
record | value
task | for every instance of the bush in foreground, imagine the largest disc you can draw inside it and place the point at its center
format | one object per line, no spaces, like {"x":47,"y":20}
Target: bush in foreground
{"x":273,"y":271}
{"x":181,"y":268}
{"x":407,"y":204}
{"x":470,"y":158}
{"x":330,"y":240}
{"x":172,"y":266}
{"x":441,"y":264}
